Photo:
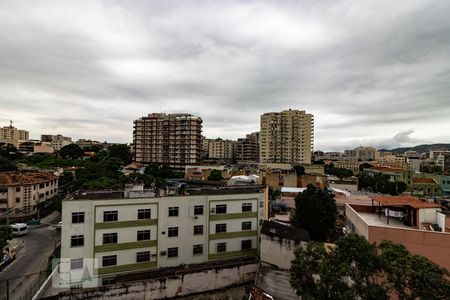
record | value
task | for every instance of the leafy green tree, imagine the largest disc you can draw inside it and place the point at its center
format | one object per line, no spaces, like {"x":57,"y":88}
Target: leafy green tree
{"x":72,"y":151}
{"x":121,"y":151}
{"x":215,"y":175}
{"x":162,"y":171}
{"x":380,"y":183}
{"x":412,"y":276}
{"x":6,"y":165}
{"x":357,"y":269}
{"x":316,"y":212}
{"x":9,"y":152}
{"x":5,"y":234}
{"x":299,"y":170}
{"x":364,"y":166}
{"x":147,"y":180}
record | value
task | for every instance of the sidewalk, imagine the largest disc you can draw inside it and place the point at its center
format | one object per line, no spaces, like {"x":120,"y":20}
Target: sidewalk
{"x":51,"y":218}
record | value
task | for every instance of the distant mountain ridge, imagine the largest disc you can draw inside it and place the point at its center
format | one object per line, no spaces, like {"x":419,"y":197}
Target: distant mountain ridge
{"x":419,"y":148}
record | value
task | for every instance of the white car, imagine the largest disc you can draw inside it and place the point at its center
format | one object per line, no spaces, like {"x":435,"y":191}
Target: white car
{"x":59,"y":225}
{"x":19,"y":229}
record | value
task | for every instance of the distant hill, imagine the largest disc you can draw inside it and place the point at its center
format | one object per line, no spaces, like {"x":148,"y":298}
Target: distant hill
{"x":419,"y":148}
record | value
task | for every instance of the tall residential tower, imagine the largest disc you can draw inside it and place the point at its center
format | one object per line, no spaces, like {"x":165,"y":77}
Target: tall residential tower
{"x":171,"y":139}
{"x":286,"y":137}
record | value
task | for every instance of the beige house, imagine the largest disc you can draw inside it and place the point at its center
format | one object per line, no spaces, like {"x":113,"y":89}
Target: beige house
{"x":25,"y":190}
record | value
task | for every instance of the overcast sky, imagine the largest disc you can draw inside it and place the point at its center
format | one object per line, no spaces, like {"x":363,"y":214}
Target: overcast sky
{"x":372,"y":72}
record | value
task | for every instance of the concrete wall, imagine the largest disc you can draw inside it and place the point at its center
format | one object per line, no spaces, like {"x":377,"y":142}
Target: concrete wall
{"x":440,"y":218}
{"x":278,"y":251}
{"x":433,"y":245}
{"x":173,"y":286}
{"x":356,"y":224}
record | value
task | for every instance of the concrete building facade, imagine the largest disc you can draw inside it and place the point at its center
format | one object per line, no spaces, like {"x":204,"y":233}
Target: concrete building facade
{"x":286,"y":137}
{"x":25,"y":190}
{"x":247,"y":149}
{"x":172,"y":139}
{"x":56,"y":141}
{"x":12,"y":135}
{"x":221,"y":149}
{"x":138,"y":234}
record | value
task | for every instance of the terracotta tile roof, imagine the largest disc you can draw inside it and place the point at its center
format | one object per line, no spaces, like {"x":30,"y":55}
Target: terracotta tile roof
{"x":22,"y":178}
{"x":404,"y":201}
{"x":424,"y":180}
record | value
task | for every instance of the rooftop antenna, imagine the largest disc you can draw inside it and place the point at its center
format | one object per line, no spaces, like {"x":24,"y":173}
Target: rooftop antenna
{"x":10,"y":123}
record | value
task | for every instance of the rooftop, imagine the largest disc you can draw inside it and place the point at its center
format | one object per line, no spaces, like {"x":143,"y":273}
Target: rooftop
{"x":404,"y":201}
{"x":120,"y":194}
{"x":376,"y":220}
{"x":424,"y":180}
{"x":284,"y":231}
{"x":23,"y":178}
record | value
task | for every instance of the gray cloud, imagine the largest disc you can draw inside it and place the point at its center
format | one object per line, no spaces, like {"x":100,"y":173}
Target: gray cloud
{"x":366,"y":70}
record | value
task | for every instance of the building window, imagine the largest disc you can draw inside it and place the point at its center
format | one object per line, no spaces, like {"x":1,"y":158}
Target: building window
{"x":77,"y":240}
{"x":221,"y":228}
{"x":17,"y":200}
{"x":143,"y":256}
{"x":173,"y":211}
{"x":221,"y":209}
{"x":76,"y":263}
{"x":144,"y":214}
{"x":109,"y":260}
{"x":221,"y":247}
{"x":172,"y":252}
{"x":143,"y":235}
{"x":246,"y":244}
{"x":41,"y":186}
{"x":198,"y":210}
{"x":198,"y":229}
{"x":77,"y":217}
{"x":17,"y":188}
{"x":246,"y":207}
{"x":173,"y":231}
{"x":110,"y":216}
{"x":110,"y":238}
{"x":246,"y":225}
{"x":198,"y":249}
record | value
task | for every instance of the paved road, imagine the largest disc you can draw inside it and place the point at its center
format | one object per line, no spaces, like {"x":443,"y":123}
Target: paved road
{"x":34,"y":249}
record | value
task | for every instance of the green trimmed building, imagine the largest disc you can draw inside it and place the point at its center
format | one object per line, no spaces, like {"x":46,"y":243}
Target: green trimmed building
{"x":126,"y":235}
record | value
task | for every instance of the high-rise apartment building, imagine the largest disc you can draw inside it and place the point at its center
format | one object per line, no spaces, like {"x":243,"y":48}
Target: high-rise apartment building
{"x":247,"y":149}
{"x":221,"y":149}
{"x":363,"y":153}
{"x":12,"y":135}
{"x":172,"y":139}
{"x":286,"y":137}
{"x":56,"y":141}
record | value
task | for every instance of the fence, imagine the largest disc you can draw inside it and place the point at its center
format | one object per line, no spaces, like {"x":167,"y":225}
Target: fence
{"x":22,"y":288}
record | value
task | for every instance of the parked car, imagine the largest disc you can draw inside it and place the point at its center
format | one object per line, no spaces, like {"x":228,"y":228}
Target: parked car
{"x":19,"y":229}
{"x":59,"y":225}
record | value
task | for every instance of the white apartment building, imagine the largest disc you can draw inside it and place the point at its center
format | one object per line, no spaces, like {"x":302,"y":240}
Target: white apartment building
{"x":56,"y":141}
{"x":141,"y":234}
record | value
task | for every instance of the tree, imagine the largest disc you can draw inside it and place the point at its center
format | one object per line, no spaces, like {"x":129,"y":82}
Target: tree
{"x":121,"y":151}
{"x":9,"y":151}
{"x":5,"y":234}
{"x":299,"y":170}
{"x":316,"y":211}
{"x":364,"y":166}
{"x":357,"y":269}
{"x":72,"y":151}
{"x":215,"y":175}
{"x":6,"y":165}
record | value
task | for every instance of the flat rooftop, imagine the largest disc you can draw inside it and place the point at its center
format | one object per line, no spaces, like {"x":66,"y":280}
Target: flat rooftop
{"x":219,"y":190}
{"x":375,"y":220}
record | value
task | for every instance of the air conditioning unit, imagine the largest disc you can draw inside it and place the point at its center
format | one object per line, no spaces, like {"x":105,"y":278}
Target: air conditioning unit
{"x":162,"y":253}
{"x":154,"y":255}
{"x":213,"y":210}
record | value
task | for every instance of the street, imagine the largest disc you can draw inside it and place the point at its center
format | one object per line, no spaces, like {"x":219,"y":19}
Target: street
{"x":34,"y":248}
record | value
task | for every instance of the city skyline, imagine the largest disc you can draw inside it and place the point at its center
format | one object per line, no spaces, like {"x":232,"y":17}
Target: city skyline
{"x":371,"y":74}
